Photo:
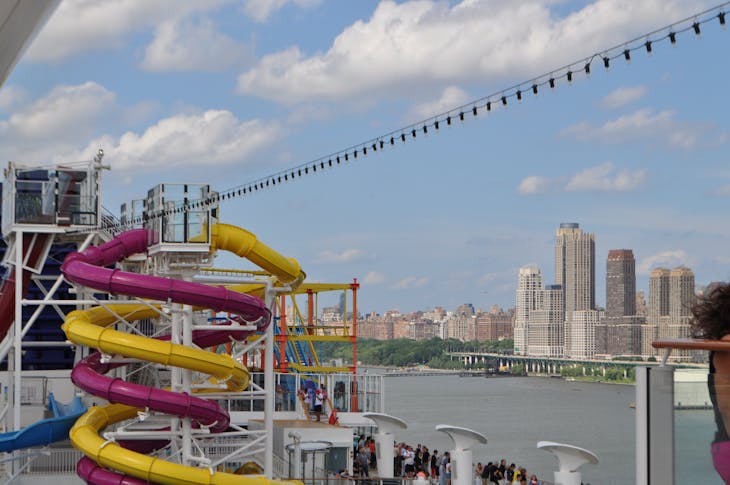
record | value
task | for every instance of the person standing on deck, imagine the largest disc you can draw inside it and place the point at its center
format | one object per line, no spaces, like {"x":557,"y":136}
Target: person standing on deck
{"x":318,"y":400}
{"x":711,"y":320}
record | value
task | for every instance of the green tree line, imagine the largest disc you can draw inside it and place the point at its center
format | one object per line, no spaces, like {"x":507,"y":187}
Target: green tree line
{"x":406,"y":352}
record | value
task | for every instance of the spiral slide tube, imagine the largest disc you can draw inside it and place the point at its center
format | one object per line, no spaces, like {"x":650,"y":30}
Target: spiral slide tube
{"x":89,"y":327}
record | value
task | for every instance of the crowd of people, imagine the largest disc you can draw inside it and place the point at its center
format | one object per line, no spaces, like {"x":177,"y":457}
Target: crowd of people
{"x":434,"y":467}
{"x":501,"y":473}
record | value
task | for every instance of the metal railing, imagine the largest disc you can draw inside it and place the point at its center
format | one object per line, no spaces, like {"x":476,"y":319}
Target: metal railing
{"x":60,"y":461}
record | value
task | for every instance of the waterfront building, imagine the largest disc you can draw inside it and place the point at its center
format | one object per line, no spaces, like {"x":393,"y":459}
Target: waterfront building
{"x":671,"y":296}
{"x":494,"y":325}
{"x":681,"y":299}
{"x":620,"y":331}
{"x":421,"y":329}
{"x":380,"y":327}
{"x":545,"y":327}
{"x":658,"y":309}
{"x":529,"y":295}
{"x":461,"y":326}
{"x":575,"y":267}
{"x":681,"y":293}
{"x":580,"y":334}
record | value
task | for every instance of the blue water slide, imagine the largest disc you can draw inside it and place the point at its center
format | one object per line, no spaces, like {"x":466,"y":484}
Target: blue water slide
{"x":46,"y":431}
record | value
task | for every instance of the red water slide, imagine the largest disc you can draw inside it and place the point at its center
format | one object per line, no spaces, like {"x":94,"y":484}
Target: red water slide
{"x":36,"y":244}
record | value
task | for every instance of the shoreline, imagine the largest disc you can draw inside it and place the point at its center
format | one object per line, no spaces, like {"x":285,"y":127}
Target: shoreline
{"x":424,"y":371}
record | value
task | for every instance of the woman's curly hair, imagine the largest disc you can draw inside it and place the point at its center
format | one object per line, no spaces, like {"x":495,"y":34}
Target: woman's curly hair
{"x":712,"y":313}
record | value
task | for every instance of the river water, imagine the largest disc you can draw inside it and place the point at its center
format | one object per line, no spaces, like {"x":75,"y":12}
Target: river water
{"x":514,"y":413}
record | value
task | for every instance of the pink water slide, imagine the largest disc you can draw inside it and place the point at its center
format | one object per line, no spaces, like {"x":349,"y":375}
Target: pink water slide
{"x":87,"y":268}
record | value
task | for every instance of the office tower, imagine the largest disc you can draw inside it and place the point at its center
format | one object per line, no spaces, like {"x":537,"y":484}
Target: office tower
{"x":575,"y":267}
{"x":671,"y":296}
{"x":657,"y":311}
{"x":681,"y":299}
{"x":620,"y":335}
{"x":681,"y":294}
{"x":620,"y":283}
{"x":545,"y":327}
{"x":529,"y":294}
{"x":658,"y":295}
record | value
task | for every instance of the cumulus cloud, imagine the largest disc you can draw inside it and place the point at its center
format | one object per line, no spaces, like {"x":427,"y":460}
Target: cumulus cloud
{"x":640,"y":125}
{"x":66,"y":112}
{"x":53,"y":128}
{"x":373,"y":278}
{"x":261,"y":10}
{"x":84,"y":25}
{"x":450,"y":97}
{"x":411,"y":282}
{"x":345,"y":256}
{"x":214,"y":136}
{"x":601,"y":178}
{"x":185,"y":45}
{"x":623,"y":96}
{"x":669,"y":259}
{"x":535,"y":184}
{"x":11,"y":97}
{"x":604,"y":178}
{"x":412,"y":43}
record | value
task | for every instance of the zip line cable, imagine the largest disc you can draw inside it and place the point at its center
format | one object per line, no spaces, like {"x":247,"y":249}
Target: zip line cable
{"x":501,"y":98}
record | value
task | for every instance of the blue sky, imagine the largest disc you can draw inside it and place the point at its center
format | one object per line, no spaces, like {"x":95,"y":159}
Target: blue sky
{"x":224,"y":92}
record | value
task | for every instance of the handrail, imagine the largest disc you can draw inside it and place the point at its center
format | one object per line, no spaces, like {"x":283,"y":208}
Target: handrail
{"x":689,"y":344}
{"x":692,"y":344}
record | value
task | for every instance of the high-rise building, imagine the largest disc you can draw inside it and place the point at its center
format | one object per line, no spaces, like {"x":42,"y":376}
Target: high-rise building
{"x":658,"y":295}
{"x":671,"y":296}
{"x":529,"y":294}
{"x":658,"y":309}
{"x":575,"y":267}
{"x":545,"y":327}
{"x":620,"y":334}
{"x":620,"y":283}
{"x":580,"y":334}
{"x":681,"y":293}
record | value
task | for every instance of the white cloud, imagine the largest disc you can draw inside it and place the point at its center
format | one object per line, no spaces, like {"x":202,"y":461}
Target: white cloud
{"x":54,"y":128}
{"x":346,"y":256}
{"x":414,"y":43}
{"x":623,"y":96}
{"x":677,"y":257}
{"x":85,"y":25}
{"x":535,"y":184}
{"x":411,"y":282}
{"x":261,"y":10}
{"x":11,"y":97}
{"x":216,"y":137}
{"x":66,"y":112}
{"x":602,"y":178}
{"x":184,"y":45}
{"x":640,"y":125}
{"x":450,"y":97}
{"x":373,"y":278}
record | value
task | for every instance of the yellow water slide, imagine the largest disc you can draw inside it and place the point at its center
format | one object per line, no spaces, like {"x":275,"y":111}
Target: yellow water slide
{"x":92,"y":328}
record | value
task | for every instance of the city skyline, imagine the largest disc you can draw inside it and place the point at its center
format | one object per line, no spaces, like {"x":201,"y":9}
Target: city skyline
{"x":533,"y":276}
